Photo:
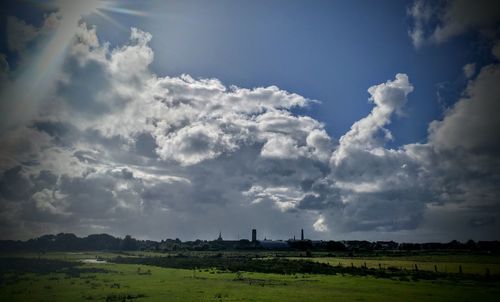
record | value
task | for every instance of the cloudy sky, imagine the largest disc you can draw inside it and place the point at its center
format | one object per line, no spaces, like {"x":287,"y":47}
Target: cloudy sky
{"x":164,"y":119}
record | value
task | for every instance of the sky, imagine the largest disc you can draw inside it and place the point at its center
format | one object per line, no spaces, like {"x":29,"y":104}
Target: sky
{"x":182,"y":119}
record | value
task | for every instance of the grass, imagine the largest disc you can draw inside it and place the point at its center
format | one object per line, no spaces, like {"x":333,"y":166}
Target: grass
{"x":186,"y":285}
{"x":128,"y":282}
{"x":446,"y":264}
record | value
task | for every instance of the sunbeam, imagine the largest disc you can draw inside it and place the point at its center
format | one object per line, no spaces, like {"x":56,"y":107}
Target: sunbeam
{"x":111,"y":20}
{"x":31,"y":86}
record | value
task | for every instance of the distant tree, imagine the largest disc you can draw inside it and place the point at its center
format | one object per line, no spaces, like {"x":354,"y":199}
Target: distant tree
{"x":471,"y":245}
{"x":335,"y":246}
{"x":129,"y":243}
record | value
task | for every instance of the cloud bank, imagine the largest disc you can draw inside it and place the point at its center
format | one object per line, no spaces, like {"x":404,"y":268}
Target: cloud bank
{"x":116,"y":148}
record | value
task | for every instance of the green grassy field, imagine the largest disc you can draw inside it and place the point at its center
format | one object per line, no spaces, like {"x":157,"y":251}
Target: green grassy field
{"x":126,"y":282}
{"x":446,"y":264}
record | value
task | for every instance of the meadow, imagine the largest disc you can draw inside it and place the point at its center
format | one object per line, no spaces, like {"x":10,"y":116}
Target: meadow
{"x":64,"y":277}
{"x":440,"y":263}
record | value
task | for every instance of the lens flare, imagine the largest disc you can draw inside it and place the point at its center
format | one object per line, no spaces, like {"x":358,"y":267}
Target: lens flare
{"x":126,"y":11}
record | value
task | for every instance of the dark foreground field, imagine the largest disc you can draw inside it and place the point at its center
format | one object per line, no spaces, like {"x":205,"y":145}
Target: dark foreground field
{"x":64,"y":277}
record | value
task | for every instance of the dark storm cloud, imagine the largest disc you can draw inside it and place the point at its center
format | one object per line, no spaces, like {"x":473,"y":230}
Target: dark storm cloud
{"x":439,"y":21}
{"x":63,"y":134}
{"x":14,"y":185}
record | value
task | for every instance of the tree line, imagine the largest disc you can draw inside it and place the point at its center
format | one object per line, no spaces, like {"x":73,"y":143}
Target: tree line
{"x":97,"y":242}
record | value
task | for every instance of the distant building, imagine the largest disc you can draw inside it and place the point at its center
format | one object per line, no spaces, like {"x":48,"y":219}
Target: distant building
{"x":254,"y":235}
{"x":220,"y":237}
{"x":302,"y":234}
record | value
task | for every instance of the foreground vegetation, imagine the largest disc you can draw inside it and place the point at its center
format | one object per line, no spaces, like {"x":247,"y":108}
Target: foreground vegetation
{"x":467,"y":264}
{"x":299,"y":266}
{"x":63,"y":277}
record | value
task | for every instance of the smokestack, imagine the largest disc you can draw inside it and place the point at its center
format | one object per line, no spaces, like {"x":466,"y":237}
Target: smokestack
{"x":302,"y":234}
{"x":254,"y":235}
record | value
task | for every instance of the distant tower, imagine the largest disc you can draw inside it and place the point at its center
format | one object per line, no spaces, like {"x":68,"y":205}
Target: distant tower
{"x":220,"y":237}
{"x":254,"y":235}
{"x":302,"y":234}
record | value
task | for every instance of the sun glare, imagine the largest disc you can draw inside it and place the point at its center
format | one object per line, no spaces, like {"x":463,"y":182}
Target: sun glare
{"x":89,"y":7}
